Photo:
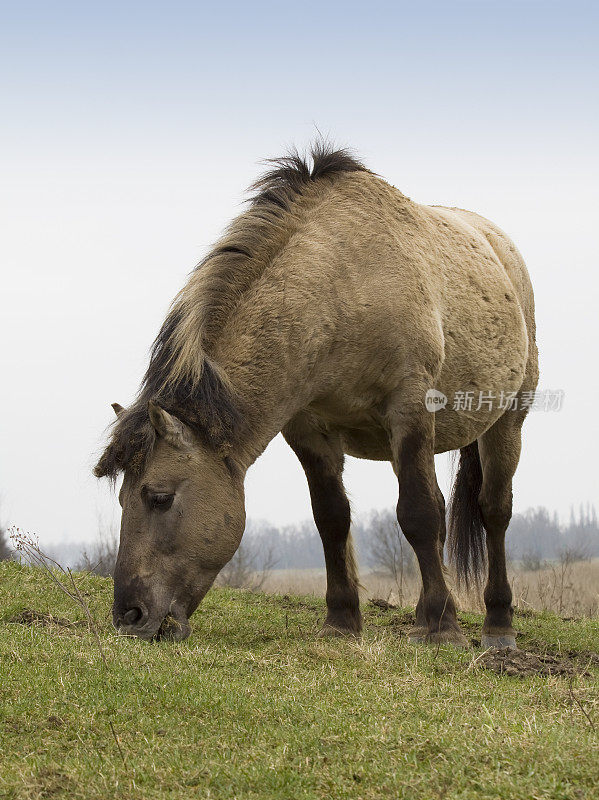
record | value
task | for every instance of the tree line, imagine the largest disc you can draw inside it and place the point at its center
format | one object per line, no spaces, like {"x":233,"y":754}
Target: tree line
{"x":534,"y":538}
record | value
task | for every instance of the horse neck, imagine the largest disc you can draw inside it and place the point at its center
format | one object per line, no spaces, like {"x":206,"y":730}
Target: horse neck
{"x":268,"y":350}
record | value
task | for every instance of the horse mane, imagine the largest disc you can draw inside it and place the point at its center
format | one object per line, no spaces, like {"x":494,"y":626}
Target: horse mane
{"x":181,"y":377}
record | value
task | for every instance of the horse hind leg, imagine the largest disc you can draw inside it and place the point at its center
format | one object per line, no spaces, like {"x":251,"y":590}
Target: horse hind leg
{"x":499,"y":450}
{"x":421,"y":518}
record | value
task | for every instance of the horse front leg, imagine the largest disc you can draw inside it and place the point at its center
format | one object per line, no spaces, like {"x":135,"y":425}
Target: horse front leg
{"x":322,"y":460}
{"x":421,"y":518}
{"x":420,"y":615}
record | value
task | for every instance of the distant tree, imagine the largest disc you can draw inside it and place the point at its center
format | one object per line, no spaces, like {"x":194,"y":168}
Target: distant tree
{"x":295,"y":546}
{"x":533,"y":537}
{"x":581,"y":538}
{"x":389,"y":550}
{"x":249,"y":567}
{"x":100,"y":559}
{"x":5,"y":548}
{"x":531,"y":561}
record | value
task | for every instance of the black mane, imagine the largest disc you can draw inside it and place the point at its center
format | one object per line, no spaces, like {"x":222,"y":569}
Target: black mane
{"x":292,"y":173}
{"x":208,"y":407}
{"x":200,"y":396}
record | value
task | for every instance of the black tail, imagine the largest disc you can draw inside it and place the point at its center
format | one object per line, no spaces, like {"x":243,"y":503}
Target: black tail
{"x":466,"y":533}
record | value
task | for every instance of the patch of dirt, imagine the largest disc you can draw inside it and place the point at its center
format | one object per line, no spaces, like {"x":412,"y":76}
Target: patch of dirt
{"x":31,"y":617}
{"x":507,"y":661}
{"x":520,"y":663}
{"x":586,"y":656}
{"x":384,"y":605}
{"x":402,"y":622}
{"x":51,"y":782}
{"x":583,"y":657}
{"x":288,"y":602}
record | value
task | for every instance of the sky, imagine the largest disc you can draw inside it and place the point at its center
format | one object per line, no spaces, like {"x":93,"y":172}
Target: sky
{"x":130,"y":131}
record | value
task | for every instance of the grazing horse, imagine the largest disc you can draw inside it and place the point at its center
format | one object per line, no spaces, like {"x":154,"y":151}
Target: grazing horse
{"x":332,"y":310}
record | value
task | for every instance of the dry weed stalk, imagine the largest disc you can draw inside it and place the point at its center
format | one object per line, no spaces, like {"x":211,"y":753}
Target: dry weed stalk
{"x":27,"y":545}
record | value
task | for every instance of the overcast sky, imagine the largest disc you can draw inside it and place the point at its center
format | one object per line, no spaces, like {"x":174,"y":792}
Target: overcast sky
{"x":130,"y":131}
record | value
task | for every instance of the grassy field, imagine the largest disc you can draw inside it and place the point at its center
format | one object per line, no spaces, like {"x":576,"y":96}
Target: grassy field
{"x":253,"y":705}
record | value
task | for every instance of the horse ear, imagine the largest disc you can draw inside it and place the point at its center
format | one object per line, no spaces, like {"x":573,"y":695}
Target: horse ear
{"x":167,"y":426}
{"x":117,"y":408}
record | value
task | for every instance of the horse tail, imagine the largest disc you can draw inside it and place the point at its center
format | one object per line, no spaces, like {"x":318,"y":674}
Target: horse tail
{"x":466,"y":533}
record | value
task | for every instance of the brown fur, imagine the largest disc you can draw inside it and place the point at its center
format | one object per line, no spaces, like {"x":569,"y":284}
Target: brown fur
{"x":327,"y":311}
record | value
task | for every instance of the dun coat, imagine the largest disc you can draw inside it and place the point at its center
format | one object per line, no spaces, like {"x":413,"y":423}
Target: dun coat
{"x":328,"y":311}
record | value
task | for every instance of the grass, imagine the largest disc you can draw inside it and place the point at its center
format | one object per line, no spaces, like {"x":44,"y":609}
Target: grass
{"x":254,"y":706}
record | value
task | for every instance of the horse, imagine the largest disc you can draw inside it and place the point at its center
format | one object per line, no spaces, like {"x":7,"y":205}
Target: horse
{"x":336,"y":311}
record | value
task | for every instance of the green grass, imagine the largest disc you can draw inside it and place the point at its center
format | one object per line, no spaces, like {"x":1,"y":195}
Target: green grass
{"x":254,"y":706}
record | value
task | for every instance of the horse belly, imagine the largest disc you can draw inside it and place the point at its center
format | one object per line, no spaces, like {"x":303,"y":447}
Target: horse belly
{"x":372,"y":444}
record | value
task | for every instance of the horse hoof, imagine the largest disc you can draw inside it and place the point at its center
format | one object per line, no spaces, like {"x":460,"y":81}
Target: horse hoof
{"x":330,"y":631}
{"x":454,"y":638}
{"x":505,"y":640}
{"x":417,"y":635}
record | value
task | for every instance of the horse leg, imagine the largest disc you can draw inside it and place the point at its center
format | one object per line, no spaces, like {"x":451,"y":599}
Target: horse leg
{"x":419,"y":513}
{"x":322,"y":460}
{"x":420,"y":616}
{"x":499,"y":450}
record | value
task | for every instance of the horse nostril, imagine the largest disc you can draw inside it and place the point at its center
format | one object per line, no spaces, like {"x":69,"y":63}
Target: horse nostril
{"x":132,"y":616}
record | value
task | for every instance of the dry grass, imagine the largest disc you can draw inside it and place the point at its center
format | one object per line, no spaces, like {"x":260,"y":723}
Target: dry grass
{"x":569,"y":588}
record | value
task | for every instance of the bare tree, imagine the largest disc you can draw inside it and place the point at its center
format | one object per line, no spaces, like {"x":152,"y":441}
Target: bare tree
{"x":390,"y":552}
{"x":101,"y":558}
{"x":249,"y":567}
{"x":531,"y":561}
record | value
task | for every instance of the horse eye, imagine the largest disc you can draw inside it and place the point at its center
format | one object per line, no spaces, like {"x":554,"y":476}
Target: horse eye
{"x":160,"y":502}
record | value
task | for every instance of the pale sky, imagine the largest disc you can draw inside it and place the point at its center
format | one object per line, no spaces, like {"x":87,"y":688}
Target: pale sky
{"x":130,"y":131}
